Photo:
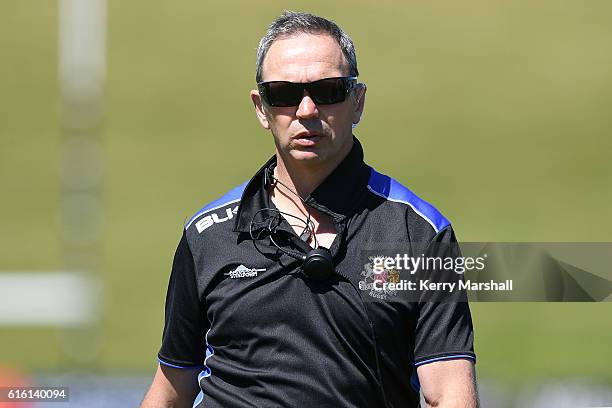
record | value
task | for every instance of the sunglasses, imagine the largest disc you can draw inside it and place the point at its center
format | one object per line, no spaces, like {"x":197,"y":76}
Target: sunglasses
{"x":325,"y":91}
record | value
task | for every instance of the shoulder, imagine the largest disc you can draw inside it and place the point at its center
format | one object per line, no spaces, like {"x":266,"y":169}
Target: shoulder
{"x":419,"y":210}
{"x":216,"y":211}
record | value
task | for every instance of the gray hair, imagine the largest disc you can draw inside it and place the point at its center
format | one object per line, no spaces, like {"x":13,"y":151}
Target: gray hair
{"x":291,"y":23}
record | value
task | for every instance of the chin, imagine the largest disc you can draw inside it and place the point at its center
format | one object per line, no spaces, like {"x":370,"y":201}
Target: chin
{"x":306,"y":156}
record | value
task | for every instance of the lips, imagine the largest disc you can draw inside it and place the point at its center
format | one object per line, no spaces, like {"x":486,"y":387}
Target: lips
{"x":306,"y":138}
{"x":307,"y":135}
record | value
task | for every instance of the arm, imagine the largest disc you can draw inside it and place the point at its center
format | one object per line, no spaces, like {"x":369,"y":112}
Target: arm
{"x":183,"y":349}
{"x":172,"y":388}
{"x":444,"y":350}
{"x":449,"y":384}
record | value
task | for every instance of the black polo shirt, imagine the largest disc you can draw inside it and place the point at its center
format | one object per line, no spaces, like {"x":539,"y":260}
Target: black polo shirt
{"x":265,"y":335}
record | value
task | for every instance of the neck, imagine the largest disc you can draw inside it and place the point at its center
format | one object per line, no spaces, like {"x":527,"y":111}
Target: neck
{"x":305,"y":177}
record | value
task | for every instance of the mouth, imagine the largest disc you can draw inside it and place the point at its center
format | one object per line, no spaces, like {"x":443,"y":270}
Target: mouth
{"x":307,"y":138}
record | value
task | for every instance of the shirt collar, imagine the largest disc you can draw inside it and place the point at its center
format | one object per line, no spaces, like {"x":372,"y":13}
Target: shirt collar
{"x":337,"y":196}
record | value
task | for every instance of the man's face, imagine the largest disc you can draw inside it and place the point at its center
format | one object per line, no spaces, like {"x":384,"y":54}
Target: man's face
{"x":309,"y":133}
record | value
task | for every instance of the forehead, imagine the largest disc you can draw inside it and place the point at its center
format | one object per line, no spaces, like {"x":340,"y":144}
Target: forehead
{"x":304,"y":58}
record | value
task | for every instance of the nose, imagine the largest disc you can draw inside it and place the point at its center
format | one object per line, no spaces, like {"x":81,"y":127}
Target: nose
{"x":307,"y":109}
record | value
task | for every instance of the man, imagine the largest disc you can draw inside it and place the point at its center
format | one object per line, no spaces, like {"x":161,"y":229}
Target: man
{"x":254,"y":316}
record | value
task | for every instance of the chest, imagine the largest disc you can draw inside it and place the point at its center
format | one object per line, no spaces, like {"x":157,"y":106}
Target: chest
{"x":255,"y":299}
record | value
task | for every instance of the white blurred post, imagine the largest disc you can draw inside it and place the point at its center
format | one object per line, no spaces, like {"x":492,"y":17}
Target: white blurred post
{"x":49,"y":298}
{"x":82,"y":72}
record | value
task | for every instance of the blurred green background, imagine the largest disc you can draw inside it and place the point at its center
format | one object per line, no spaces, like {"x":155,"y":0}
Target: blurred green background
{"x":497,"y":112}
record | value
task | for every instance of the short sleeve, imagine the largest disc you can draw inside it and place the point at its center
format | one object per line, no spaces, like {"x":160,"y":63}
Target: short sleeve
{"x":444,"y":329}
{"x":184,"y":336}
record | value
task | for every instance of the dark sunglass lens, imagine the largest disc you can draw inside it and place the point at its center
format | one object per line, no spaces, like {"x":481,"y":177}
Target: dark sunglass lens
{"x":328,"y":91}
{"x":284,"y":93}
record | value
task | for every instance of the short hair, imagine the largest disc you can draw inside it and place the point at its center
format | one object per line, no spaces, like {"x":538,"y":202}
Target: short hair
{"x":293,"y":22}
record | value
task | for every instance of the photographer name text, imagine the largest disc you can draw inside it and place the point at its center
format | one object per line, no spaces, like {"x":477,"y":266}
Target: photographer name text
{"x":427,"y":285}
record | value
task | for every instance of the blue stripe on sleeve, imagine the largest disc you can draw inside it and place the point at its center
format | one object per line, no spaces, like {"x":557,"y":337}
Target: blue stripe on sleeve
{"x":231,"y":196}
{"x":390,"y":189}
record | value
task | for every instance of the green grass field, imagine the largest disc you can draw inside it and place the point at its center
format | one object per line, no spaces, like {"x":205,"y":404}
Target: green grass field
{"x":496,"y":112}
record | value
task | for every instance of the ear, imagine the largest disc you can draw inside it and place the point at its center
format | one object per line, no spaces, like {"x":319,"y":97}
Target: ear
{"x":260,"y":109}
{"x":359,"y":102}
